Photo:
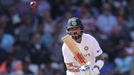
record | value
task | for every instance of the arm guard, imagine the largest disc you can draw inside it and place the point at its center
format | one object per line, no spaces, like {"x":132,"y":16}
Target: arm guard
{"x":99,"y":64}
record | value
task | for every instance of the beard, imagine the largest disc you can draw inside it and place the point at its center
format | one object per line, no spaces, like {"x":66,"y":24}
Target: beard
{"x":76,"y":37}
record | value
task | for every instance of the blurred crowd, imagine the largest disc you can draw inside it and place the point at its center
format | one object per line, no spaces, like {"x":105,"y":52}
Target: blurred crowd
{"x":30,"y":39}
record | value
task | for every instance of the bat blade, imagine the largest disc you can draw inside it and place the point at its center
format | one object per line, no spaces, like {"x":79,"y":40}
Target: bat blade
{"x":74,"y":49}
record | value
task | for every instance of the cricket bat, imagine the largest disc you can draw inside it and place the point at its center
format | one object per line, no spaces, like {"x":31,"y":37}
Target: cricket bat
{"x":75,"y":50}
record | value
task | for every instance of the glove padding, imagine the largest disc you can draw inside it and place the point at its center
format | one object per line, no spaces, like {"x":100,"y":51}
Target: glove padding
{"x":96,"y":71}
{"x":86,"y":67}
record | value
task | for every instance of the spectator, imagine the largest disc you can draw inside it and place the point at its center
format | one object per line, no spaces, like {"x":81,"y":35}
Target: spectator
{"x":38,"y":52}
{"x":109,"y":67}
{"x":43,"y":5}
{"x":19,"y":48}
{"x":106,"y":21}
{"x":25,"y":29}
{"x":123,"y":63}
{"x":6,"y":39}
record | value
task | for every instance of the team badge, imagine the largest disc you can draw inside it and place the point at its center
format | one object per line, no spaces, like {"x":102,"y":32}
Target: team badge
{"x":74,"y":23}
{"x":86,"y":48}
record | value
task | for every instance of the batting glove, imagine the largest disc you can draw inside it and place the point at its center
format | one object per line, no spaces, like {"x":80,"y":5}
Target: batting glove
{"x":96,"y":71}
{"x":86,"y":67}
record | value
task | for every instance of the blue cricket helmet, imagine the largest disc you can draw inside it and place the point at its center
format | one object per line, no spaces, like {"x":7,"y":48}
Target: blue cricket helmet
{"x":74,"y":22}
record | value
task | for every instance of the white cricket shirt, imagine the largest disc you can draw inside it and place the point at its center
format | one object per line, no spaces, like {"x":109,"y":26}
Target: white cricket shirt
{"x":89,"y":48}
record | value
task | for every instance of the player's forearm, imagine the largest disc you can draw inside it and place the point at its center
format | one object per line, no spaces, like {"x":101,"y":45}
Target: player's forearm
{"x":73,"y":68}
{"x":99,"y":62}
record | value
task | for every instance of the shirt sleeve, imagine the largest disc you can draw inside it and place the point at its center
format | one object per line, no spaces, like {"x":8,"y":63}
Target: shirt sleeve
{"x":96,"y":48}
{"x":67,"y":55}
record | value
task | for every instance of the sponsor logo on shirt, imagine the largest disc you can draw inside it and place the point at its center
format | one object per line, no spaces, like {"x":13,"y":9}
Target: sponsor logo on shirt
{"x":87,"y":54}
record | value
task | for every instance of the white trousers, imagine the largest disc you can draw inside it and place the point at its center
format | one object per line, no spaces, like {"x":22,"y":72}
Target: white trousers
{"x":78,"y":73}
